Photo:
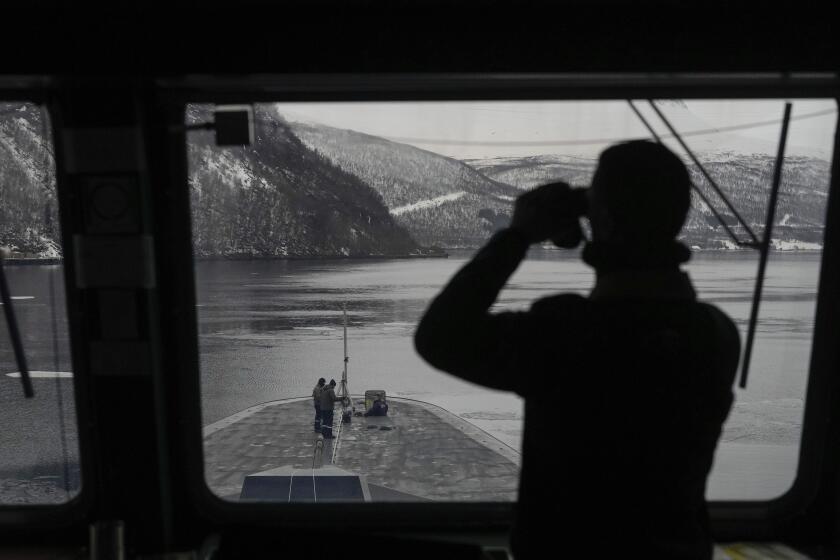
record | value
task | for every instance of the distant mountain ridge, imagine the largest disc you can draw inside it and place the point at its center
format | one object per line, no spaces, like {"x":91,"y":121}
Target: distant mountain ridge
{"x":528,"y":172}
{"x":745,"y":179}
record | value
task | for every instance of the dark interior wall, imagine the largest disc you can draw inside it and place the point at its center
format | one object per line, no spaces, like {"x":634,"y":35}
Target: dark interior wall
{"x":127,"y":43}
{"x":406,"y":36}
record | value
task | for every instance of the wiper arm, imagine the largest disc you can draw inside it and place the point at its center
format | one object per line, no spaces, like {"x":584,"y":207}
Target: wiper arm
{"x":755,"y":243}
{"x":14,"y":333}
{"x":694,"y":186}
{"x":763,"y":246}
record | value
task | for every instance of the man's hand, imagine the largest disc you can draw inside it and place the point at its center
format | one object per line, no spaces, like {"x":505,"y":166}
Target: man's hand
{"x":550,"y":212}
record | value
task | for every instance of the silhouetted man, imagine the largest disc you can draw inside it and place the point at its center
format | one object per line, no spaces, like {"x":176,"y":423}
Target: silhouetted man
{"x":615,"y":459}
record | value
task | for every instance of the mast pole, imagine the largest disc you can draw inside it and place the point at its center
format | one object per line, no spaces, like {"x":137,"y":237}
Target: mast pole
{"x":346,"y":357}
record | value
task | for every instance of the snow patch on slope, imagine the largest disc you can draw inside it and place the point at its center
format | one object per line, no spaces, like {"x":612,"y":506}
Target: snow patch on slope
{"x":429,"y":203}
{"x":794,"y":245}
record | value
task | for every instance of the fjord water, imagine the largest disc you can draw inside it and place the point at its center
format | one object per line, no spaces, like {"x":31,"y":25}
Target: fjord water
{"x":269,"y":329}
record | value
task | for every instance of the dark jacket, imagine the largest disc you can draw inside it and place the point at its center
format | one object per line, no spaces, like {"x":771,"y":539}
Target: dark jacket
{"x":328,"y":397}
{"x":378,"y":408}
{"x":615,"y":457}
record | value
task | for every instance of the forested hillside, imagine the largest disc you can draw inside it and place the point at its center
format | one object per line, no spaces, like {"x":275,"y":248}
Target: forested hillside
{"x":279,"y":198}
{"x":305,"y":190}
{"x":28,"y":209}
{"x":439,"y":200}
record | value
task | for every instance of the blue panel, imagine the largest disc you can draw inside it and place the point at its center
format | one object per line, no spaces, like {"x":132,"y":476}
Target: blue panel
{"x":339,"y":489}
{"x":272,"y":488}
{"x":302,"y":489}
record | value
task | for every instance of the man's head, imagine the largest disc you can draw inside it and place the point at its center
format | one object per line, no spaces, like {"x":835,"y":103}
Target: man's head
{"x":321,"y":382}
{"x":640,"y":194}
{"x":332,"y":382}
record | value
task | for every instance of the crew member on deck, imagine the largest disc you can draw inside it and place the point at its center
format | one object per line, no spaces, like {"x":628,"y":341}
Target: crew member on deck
{"x":616,"y":454}
{"x":378,"y":408}
{"x":328,"y":400}
{"x":316,"y":400}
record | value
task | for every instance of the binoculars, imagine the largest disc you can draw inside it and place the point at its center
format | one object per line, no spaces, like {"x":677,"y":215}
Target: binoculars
{"x":570,"y":234}
{"x":580,"y":200}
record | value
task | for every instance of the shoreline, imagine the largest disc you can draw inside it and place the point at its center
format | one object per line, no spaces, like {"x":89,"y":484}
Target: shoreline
{"x":58,"y":260}
{"x":316,"y":257}
{"x":34,"y":261}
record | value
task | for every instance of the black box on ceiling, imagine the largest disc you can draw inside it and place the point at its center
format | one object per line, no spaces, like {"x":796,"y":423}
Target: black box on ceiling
{"x":234,"y":126}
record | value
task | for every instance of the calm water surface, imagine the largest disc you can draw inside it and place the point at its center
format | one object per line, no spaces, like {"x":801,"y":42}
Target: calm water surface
{"x":269,"y":329}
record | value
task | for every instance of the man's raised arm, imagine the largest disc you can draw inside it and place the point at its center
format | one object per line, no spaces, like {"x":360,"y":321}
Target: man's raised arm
{"x":458,"y":334}
{"x":457,"y":328}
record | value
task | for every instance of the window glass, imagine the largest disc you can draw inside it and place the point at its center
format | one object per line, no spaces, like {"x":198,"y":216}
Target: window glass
{"x":330,"y":234}
{"x":39,"y":455}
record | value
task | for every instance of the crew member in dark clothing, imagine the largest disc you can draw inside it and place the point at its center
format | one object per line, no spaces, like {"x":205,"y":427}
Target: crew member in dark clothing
{"x":316,"y":400}
{"x":615,"y":460}
{"x":328,"y":400}
{"x":378,"y":408}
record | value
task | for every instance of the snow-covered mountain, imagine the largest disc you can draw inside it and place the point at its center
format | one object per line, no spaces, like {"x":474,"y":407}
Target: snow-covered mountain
{"x":745,"y":179}
{"x":310,"y":190}
{"x":28,"y":208}
{"x":439,"y":200}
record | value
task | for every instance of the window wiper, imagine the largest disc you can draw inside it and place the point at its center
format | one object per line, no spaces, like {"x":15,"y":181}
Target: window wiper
{"x":763,"y":245}
{"x":694,"y":186}
{"x":754,"y":243}
{"x":14,"y":333}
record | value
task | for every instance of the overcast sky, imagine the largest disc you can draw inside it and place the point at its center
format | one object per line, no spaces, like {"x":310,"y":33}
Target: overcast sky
{"x":485,"y":129}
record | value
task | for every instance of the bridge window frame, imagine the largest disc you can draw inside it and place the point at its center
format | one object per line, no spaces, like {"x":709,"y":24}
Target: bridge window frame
{"x":729,"y":519}
{"x":39,"y":91}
